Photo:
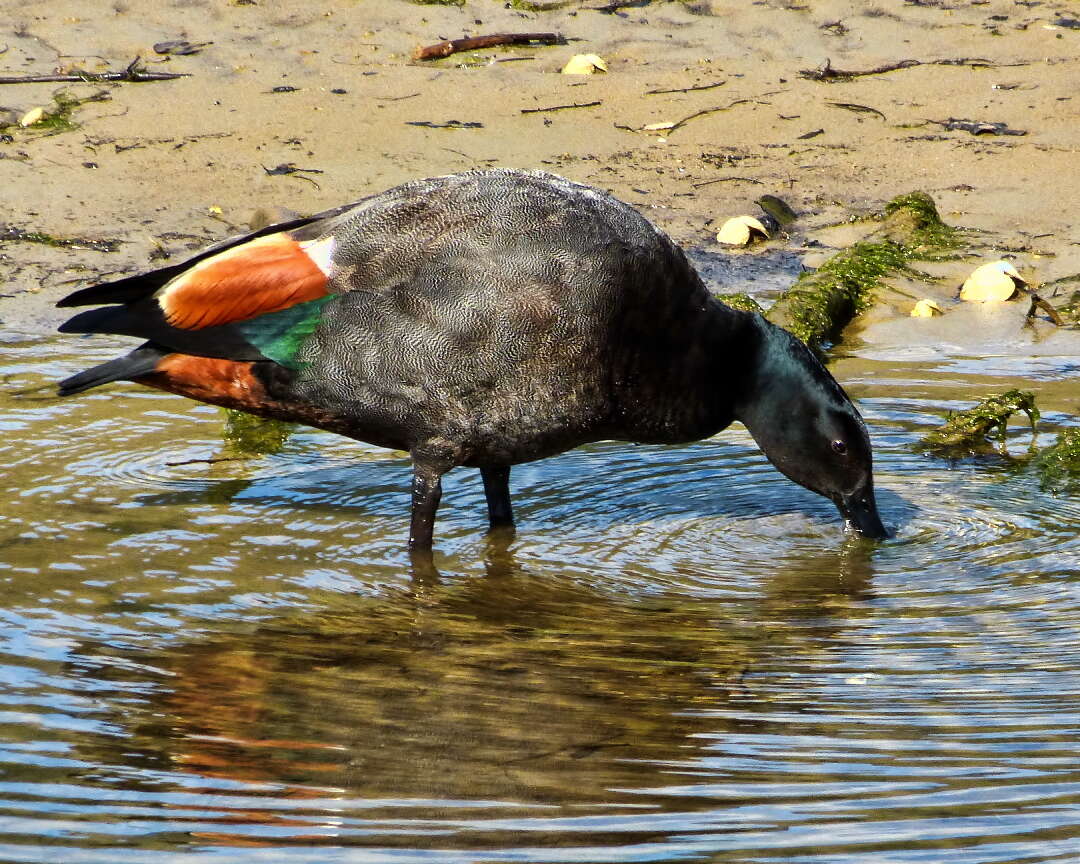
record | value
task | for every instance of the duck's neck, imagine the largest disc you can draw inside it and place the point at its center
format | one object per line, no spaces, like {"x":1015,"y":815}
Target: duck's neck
{"x":693,"y":385}
{"x":778,"y":373}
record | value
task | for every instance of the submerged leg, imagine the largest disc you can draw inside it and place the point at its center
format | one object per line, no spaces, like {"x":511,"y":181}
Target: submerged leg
{"x":426,"y":493}
{"x":497,"y":491}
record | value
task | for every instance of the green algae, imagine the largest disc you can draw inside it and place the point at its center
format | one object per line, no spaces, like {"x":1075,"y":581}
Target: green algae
{"x":14,"y":234}
{"x":821,"y":303}
{"x":741,"y":301}
{"x":1058,"y":465}
{"x":1070,"y":311}
{"x":918,"y":227}
{"x":255,"y":436}
{"x":966,"y":432}
{"x":60,"y":118}
{"x":534,"y":6}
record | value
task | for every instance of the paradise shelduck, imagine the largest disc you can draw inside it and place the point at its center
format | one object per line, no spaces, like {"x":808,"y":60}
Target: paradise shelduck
{"x":481,"y":319}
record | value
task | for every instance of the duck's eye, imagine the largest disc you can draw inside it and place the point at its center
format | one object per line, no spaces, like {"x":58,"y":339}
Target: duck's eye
{"x":839,"y":447}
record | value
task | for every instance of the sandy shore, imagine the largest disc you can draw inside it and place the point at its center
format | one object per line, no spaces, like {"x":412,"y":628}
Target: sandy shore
{"x":165,"y":167}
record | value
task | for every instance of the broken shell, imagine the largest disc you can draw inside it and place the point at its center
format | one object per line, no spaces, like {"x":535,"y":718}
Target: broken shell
{"x":657,"y":127}
{"x":993,"y":282}
{"x":584,"y":64}
{"x":34,"y":115}
{"x":926,"y":309}
{"x":741,"y":231}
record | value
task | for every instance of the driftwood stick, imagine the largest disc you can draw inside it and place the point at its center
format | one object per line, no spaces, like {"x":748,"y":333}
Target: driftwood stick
{"x":725,"y":180}
{"x":473,"y":43}
{"x":828,"y":73}
{"x":706,"y":111}
{"x":133,"y":73}
{"x":615,"y":5}
{"x":693,"y":89}
{"x":561,"y":107}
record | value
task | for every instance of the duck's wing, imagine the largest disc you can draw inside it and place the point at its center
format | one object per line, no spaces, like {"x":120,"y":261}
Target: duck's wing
{"x":132,"y":288}
{"x":249,"y":298}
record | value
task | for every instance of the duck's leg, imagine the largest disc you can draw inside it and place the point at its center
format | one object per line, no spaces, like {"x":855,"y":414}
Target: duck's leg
{"x":497,"y":492}
{"x":426,"y":494}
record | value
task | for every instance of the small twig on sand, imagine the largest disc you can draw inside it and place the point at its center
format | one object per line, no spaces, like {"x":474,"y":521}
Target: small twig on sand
{"x":858,"y":109}
{"x":561,"y":107}
{"x":680,"y":123}
{"x":693,"y":89}
{"x":289,"y":169}
{"x":474,"y":43}
{"x":615,"y":5}
{"x":668,"y":128}
{"x":133,"y":73}
{"x":828,"y":73}
{"x":725,"y":180}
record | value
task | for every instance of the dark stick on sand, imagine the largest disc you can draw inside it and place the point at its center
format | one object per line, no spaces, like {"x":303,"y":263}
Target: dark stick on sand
{"x":473,"y":43}
{"x":133,"y":73}
{"x":561,"y":107}
{"x":828,"y":73}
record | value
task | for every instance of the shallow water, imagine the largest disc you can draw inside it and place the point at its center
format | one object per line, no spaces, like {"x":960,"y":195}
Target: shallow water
{"x":208,"y":656}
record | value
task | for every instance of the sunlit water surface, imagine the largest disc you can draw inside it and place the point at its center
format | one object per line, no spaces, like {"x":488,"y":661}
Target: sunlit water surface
{"x":208,"y":656}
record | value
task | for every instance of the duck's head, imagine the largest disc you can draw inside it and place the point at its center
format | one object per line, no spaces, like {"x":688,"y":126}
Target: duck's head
{"x":808,"y":427}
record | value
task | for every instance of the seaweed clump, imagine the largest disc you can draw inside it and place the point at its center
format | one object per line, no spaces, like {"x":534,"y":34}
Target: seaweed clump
{"x":966,"y":432}
{"x":917,"y":226}
{"x":1058,"y":465}
{"x":1071,"y":310}
{"x":59,"y":119}
{"x":819,"y":305}
{"x":741,"y":301}
{"x":14,"y":234}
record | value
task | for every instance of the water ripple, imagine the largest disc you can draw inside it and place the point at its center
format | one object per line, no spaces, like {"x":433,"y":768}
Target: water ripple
{"x":212,"y":656}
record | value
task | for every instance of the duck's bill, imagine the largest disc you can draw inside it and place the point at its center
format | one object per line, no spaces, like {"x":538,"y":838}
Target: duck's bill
{"x":860,"y":514}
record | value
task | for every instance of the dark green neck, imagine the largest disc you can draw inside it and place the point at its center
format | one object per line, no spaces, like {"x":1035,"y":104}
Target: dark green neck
{"x":686,"y":380}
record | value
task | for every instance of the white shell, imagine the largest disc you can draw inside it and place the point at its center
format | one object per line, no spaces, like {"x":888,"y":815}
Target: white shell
{"x":926,"y":309}
{"x":741,"y":231}
{"x":34,"y":115}
{"x":584,"y":64}
{"x":994,"y":282}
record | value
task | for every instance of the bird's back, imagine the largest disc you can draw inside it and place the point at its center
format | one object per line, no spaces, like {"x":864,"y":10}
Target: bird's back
{"x":503,"y":310}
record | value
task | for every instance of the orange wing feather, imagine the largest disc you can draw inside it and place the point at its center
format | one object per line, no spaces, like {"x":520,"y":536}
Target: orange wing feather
{"x":265,"y":275}
{"x":209,"y":379}
{"x":231,"y":384}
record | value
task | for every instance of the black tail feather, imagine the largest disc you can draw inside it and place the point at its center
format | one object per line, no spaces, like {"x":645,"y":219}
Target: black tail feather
{"x":103,"y":320}
{"x":132,"y":288}
{"x":141,"y":361}
{"x":124,"y":290}
{"x":145,"y":321}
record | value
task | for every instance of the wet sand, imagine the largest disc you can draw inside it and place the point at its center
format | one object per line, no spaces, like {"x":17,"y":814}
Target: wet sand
{"x":167,"y":167}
